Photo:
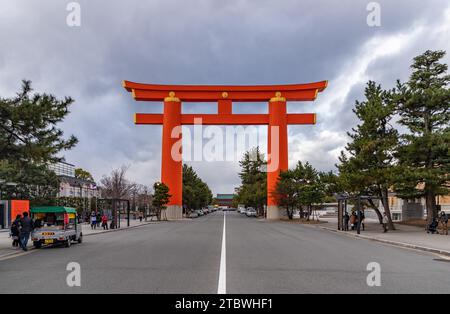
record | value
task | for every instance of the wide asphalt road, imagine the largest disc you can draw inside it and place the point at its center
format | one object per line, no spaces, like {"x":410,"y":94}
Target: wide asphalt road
{"x":257,"y":257}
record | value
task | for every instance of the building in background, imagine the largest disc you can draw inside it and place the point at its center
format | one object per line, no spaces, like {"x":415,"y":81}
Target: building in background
{"x":63,"y":169}
{"x":74,"y":187}
{"x":69,"y":185}
{"x":224,"y":200}
{"x":403,"y":210}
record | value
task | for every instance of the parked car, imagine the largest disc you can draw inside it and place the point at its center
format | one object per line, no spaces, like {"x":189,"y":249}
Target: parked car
{"x":200,"y":212}
{"x":193,"y":214}
{"x":251,"y":212}
{"x":206,"y":211}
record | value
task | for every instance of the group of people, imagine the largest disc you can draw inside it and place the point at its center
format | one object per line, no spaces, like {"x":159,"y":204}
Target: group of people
{"x":96,"y":219}
{"x":441,"y":221}
{"x":20,"y":231}
{"x":353,"y":220}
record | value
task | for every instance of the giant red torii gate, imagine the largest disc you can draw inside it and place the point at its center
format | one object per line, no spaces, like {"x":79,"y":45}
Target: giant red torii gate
{"x":277,"y":117}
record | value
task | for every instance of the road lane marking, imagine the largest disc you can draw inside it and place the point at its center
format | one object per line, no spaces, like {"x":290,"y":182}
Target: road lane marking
{"x":16,"y":254}
{"x":222,"y":288}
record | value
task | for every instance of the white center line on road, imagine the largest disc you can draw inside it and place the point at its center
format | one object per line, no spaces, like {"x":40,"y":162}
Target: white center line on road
{"x":222,"y":288}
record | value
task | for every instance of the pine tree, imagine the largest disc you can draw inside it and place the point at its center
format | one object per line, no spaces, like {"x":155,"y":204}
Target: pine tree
{"x":300,"y":188}
{"x":424,"y":154}
{"x":253,"y":189}
{"x":196,"y":193}
{"x":287,"y":192}
{"x":311,"y":188}
{"x":367,"y":166}
{"x":161,"y":197}
{"x":29,"y":140}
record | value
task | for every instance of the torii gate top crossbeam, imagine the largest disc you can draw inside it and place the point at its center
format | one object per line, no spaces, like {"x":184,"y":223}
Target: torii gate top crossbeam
{"x":212,"y":93}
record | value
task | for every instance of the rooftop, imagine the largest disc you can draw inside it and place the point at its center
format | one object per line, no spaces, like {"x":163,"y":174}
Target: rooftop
{"x":224,"y":196}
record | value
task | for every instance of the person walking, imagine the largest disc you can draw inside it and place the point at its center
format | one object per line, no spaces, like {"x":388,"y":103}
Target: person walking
{"x":98,"y":220}
{"x":363,"y":218}
{"x":385,"y":223}
{"x":346,"y":221}
{"x":26,"y":227}
{"x":105,"y":222}
{"x":93,"y":221}
{"x":140,"y":216}
{"x":15,"y":231}
{"x":443,"y":219}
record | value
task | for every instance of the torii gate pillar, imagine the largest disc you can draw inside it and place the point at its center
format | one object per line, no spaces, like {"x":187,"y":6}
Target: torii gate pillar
{"x":277,"y":148}
{"x":171,"y":161}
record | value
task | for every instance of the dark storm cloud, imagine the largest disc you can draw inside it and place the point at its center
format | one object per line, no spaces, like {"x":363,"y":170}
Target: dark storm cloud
{"x":207,"y":42}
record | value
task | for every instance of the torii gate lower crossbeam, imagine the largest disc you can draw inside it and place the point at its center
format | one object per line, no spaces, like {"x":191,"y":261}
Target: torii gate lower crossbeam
{"x":172,"y":119}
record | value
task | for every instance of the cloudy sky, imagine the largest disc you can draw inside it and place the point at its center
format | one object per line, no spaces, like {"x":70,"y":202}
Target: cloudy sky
{"x":208,"y":42}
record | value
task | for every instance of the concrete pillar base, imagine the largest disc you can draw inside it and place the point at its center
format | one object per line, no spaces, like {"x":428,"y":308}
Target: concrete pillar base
{"x":274,"y":212}
{"x":174,"y":212}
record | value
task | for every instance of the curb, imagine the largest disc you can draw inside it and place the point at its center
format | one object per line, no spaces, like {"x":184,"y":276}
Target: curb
{"x":120,"y":229}
{"x":395,"y":243}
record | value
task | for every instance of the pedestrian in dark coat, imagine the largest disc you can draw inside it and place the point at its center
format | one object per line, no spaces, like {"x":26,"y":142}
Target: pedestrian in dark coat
{"x":26,"y":227}
{"x":15,"y":231}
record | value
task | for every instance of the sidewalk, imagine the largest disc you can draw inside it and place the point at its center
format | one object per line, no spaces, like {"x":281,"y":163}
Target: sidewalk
{"x":6,"y":248}
{"x":404,"y":236}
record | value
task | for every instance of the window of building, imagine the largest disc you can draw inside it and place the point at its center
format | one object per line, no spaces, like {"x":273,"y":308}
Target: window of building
{"x":396,"y":216}
{"x":63,"y":169}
